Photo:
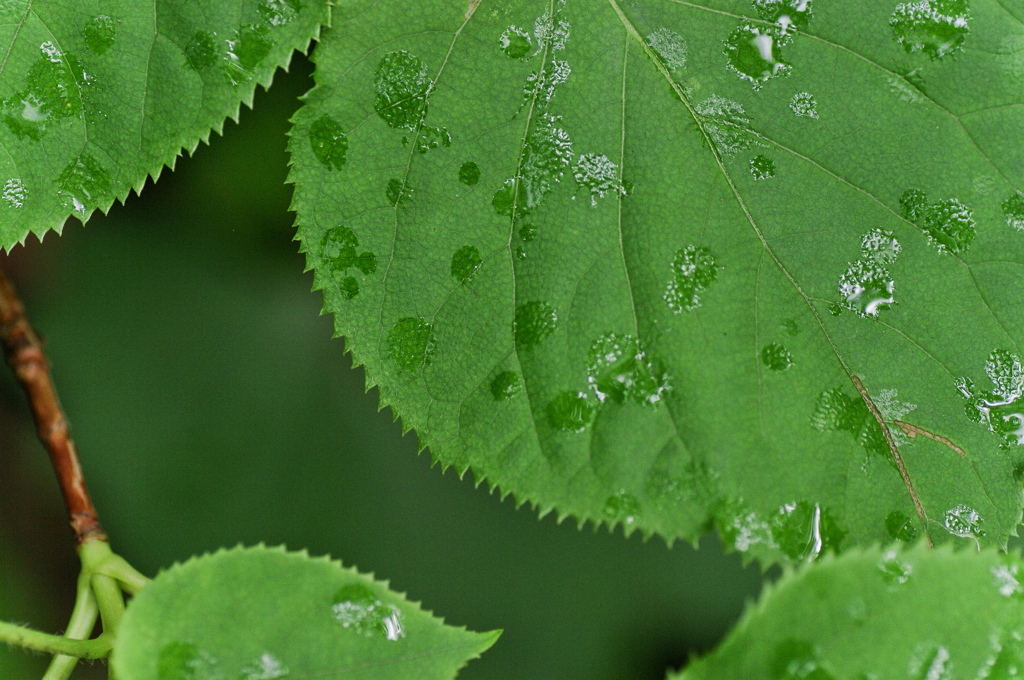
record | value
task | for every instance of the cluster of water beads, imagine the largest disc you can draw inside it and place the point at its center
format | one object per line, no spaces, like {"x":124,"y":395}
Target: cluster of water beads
{"x":762,"y":167}
{"x":359,"y":609}
{"x":410,"y":343}
{"x":795,"y":659}
{"x":948,"y":223}
{"x":867,"y":287}
{"x":329,"y":142}
{"x":1006,"y":581}
{"x":515,"y":42}
{"x":895,"y":572}
{"x":338,"y":249}
{"x":937,"y":28}
{"x":726,"y":123}
{"x":53,"y":92}
{"x":669,"y":46}
{"x":963,"y":521}
{"x":836,"y":411}
{"x":619,"y":370}
{"x":694,"y":268}
{"x":534,"y":322}
{"x":998,"y":408}
{"x":804,"y":105}
{"x":900,"y":527}
{"x":466,"y":262}
{"x":14,"y":193}
{"x":801,"y":530}
{"x":776,"y":357}
{"x":930,"y":661}
{"x":506,"y":385}
{"x":1013,"y":210}
{"x":570,"y":411}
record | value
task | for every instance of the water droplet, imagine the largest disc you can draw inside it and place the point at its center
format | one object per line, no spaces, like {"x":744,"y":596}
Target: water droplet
{"x":553,"y":29}
{"x":528,"y":232}
{"x":669,"y":46}
{"x":930,"y":662}
{"x":726,"y":123}
{"x":762,"y":167}
{"x":402,"y":85}
{"x":1005,"y":576}
{"x":776,"y":357}
{"x":546,"y":156}
{"x":279,"y":12}
{"x":837,"y":411}
{"x":894,"y":572}
{"x":411,"y":343}
{"x":900,"y":527}
{"x":267,"y":667}
{"x":794,"y":659}
{"x":619,"y":369}
{"x":357,"y":608}
{"x":786,"y":14}
{"x":99,"y":33}
{"x":963,"y":521}
{"x":14,"y":193}
{"x":469,"y":173}
{"x":506,"y":385}
{"x":753,"y":53}
{"x":867,"y":287}
{"x":693,"y":270}
{"x":803,"y":105}
{"x":82,"y":184}
{"x":949,"y":223}
{"x":789,"y":327}
{"x":505,"y":198}
{"x":804,"y":531}
{"x":534,"y":322}
{"x":1013,"y":209}
{"x":835,"y":309}
{"x":543,"y":85}
{"x":329,"y":142}
{"x":201,"y":52}
{"x":570,"y":412}
{"x":465,"y":263}
{"x":430,"y":137}
{"x":998,"y":408}
{"x":53,"y":91}
{"x":741,"y":527}
{"x":936,"y":27}
{"x":185,"y":661}
{"x":397,"y":192}
{"x":1008,"y":663}
{"x":246,"y":50}
{"x":515,"y":42}
{"x":598,"y":175}
{"x":339,"y":248}
{"x":520,"y":253}
{"x":621,"y":507}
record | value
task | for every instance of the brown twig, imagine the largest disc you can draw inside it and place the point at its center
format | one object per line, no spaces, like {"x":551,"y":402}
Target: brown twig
{"x":24,"y":352}
{"x":895,"y":455}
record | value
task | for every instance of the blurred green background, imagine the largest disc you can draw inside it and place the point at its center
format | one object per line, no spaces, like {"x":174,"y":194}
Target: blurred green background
{"x":212,"y":407}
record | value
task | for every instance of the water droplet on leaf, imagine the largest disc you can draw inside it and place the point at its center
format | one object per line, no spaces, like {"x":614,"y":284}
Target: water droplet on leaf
{"x":789,"y":327}
{"x":99,"y":33}
{"x":900,"y":527}
{"x":619,"y":369}
{"x":621,"y":507}
{"x":753,"y":53}
{"x":936,"y":27}
{"x":534,"y":322}
{"x":329,"y":142}
{"x":963,"y":521}
{"x":693,"y":270}
{"x":1006,"y":581}
{"x":930,"y":662}
{"x":794,"y":659}
{"x":402,"y":85}
{"x":201,"y":52}
{"x":1013,"y":209}
{"x":465,"y":263}
{"x":185,"y":661}
{"x":776,"y":357}
{"x":762,"y":167}
{"x":867,"y":287}
{"x":411,"y":343}
{"x":804,"y":105}
{"x":726,"y":123}
{"x":998,"y":408}
{"x":804,"y":531}
{"x":948,"y":223}
{"x":279,"y":12}
{"x":267,"y":667}
{"x":597,"y":174}
{"x":669,"y":46}
{"x":506,"y":385}
{"x":357,"y":608}
{"x":570,"y":412}
{"x":82,"y":184}
{"x":245,"y":52}
{"x":53,"y":91}
{"x":397,"y":192}
{"x":894,"y":572}
{"x":14,"y":193}
{"x":515,"y":42}
{"x":469,"y":173}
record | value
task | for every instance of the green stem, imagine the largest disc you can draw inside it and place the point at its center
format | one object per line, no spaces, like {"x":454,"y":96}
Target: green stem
{"x":118,"y":568}
{"x":110,"y":601}
{"x":54,"y":644}
{"x":83,"y":620}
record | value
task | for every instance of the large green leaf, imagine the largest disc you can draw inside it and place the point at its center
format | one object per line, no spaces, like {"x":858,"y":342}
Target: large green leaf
{"x":917,"y":614}
{"x":97,"y":96}
{"x":634,"y":260}
{"x":262,"y":614}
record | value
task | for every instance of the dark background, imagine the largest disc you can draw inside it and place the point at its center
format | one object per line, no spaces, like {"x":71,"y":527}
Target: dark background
{"x":212,"y":407}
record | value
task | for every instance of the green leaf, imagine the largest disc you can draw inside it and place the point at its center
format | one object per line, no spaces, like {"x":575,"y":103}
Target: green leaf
{"x":914,"y":613}
{"x":96,"y":97}
{"x":262,"y":614}
{"x":629,"y":260}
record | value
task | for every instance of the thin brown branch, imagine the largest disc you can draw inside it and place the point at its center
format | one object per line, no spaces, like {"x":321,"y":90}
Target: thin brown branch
{"x":895,"y":455}
{"x":913,"y":430}
{"x":24,"y":352}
